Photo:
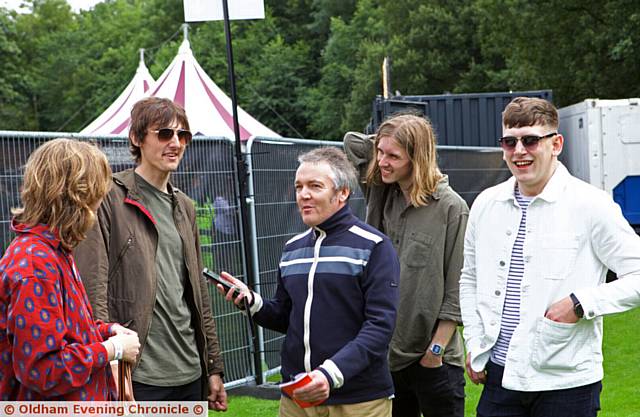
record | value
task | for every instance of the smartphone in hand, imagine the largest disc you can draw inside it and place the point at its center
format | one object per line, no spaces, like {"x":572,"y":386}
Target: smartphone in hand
{"x":218,"y":279}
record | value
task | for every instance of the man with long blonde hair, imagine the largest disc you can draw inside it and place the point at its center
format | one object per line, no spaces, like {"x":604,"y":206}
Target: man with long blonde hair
{"x":410,"y":200}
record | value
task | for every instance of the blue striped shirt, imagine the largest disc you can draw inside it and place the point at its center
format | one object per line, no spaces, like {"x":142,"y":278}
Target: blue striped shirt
{"x":511,"y":309}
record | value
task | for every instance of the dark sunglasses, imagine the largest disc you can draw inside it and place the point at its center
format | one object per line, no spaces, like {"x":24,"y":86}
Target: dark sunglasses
{"x":530,"y":142}
{"x":166,"y":134}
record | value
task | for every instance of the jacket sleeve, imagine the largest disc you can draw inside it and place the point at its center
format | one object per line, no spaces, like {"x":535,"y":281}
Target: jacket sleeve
{"x":92,"y":260}
{"x":380,"y":291}
{"x":618,"y":247}
{"x":214,"y":355}
{"x":273,"y":313}
{"x":360,"y":151}
{"x":105,"y":329}
{"x":47,"y":364}
{"x":453,"y":261}
{"x":473,"y":328}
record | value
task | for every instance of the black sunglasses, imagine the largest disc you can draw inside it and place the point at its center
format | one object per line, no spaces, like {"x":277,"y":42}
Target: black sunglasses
{"x":166,"y":134}
{"x":530,"y":142}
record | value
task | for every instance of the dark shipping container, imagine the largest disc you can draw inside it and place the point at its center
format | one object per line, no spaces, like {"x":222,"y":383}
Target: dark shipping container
{"x":458,"y":119}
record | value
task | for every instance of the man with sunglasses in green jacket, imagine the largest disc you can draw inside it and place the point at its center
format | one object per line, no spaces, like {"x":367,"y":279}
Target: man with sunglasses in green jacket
{"x":141,"y":265}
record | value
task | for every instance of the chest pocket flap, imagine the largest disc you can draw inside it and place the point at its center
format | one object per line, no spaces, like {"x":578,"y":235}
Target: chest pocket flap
{"x":417,"y":250}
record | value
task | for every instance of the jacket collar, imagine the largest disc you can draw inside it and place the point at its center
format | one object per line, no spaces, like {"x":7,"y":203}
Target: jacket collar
{"x":443,"y":183}
{"x":42,"y":231}
{"x":551,"y":192}
{"x":127,"y":179}
{"x":343,"y":218}
{"x":441,"y":186}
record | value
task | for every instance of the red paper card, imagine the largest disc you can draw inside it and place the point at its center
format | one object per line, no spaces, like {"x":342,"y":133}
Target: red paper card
{"x":298,"y":382}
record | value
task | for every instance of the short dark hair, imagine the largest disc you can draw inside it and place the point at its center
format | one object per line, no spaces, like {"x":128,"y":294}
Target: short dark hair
{"x":530,"y":111}
{"x":153,"y":112}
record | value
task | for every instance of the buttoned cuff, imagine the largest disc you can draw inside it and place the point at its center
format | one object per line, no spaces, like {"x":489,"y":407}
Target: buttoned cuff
{"x":588,"y":303}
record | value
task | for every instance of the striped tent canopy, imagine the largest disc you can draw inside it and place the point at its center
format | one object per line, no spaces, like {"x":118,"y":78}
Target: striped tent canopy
{"x":117,"y":114}
{"x":208,"y":108}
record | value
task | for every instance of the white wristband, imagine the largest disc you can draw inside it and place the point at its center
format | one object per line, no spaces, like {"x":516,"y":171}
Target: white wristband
{"x":117,"y":349}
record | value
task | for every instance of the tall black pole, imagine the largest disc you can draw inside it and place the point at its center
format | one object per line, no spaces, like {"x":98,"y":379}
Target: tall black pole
{"x":243,"y":177}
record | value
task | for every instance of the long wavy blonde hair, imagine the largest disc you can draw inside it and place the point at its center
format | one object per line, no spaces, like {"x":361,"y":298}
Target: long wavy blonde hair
{"x":63,"y":180}
{"x":415,"y":134}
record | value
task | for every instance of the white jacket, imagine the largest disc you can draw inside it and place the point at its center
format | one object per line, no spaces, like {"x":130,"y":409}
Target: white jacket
{"x":574,"y":233}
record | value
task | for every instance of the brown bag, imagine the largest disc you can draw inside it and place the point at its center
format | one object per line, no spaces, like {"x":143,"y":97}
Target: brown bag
{"x":122,"y":376}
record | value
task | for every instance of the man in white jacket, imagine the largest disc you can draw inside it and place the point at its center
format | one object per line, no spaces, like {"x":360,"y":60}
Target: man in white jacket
{"x":532,"y":290}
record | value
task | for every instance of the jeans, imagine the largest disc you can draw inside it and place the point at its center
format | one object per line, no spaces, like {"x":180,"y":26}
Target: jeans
{"x":188,"y":392}
{"x":434,"y":392}
{"x":496,"y":401}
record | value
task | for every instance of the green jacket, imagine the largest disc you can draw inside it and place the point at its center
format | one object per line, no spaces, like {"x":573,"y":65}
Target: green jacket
{"x":117,"y":263}
{"x":429,"y":241}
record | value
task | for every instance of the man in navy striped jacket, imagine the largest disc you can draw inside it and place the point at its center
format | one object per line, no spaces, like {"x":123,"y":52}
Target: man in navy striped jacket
{"x":336,"y":297}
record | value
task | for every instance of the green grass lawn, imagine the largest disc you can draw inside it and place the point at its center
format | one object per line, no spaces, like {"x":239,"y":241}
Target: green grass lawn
{"x":621,"y":384}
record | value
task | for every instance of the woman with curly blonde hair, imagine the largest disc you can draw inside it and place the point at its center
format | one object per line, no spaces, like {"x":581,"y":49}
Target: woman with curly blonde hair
{"x":50,"y":346}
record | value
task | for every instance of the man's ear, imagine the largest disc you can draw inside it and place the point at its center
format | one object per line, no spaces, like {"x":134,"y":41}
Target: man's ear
{"x":343,"y":195}
{"x":558,"y":143}
{"x":133,"y":139}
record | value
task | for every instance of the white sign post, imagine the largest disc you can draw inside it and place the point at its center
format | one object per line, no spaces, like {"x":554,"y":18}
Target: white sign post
{"x":204,"y":10}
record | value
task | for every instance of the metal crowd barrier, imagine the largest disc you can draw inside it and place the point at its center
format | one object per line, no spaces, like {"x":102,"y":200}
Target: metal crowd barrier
{"x":207,"y":175}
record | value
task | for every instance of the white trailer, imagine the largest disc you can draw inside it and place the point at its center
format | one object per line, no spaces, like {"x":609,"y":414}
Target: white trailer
{"x":602,"y":147}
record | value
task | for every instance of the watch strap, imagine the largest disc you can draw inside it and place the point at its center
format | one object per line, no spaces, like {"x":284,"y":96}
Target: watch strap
{"x":577,"y":306}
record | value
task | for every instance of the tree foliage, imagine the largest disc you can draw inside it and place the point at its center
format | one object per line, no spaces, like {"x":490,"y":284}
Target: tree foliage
{"x":313,"y":67}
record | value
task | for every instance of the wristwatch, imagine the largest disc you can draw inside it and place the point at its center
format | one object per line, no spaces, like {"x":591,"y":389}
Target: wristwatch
{"x":436,"y":349}
{"x":577,"y":307}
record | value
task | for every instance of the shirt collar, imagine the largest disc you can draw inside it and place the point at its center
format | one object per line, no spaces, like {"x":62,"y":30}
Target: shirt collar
{"x":41,"y":230}
{"x":443,"y":183}
{"x":551,"y":192}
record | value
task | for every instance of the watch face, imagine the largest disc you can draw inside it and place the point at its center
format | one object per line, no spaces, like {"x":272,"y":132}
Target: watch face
{"x":436,"y":349}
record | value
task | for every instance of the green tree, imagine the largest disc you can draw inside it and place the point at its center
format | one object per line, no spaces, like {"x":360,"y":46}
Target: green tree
{"x":580,"y":49}
{"x":350,"y":73}
{"x":12,"y":78}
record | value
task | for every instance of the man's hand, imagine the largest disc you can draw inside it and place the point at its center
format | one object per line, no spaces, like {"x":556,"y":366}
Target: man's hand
{"x":217,"y":395}
{"x":475,"y":377}
{"x":243,"y":292}
{"x":429,"y":360}
{"x":562,"y":311}
{"x":317,"y":390}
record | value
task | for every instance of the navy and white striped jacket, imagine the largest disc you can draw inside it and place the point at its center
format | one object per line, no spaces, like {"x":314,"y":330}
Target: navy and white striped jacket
{"x":336,"y":301}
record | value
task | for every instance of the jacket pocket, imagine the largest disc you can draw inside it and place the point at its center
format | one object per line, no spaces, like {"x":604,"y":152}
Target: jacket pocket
{"x":559,"y":253}
{"x":561,"y":346}
{"x":418,"y":249}
{"x":116,"y":282}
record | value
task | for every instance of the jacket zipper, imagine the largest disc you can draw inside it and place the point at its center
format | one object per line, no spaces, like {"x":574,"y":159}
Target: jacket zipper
{"x":119,"y":258}
{"x":309,"y":302}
